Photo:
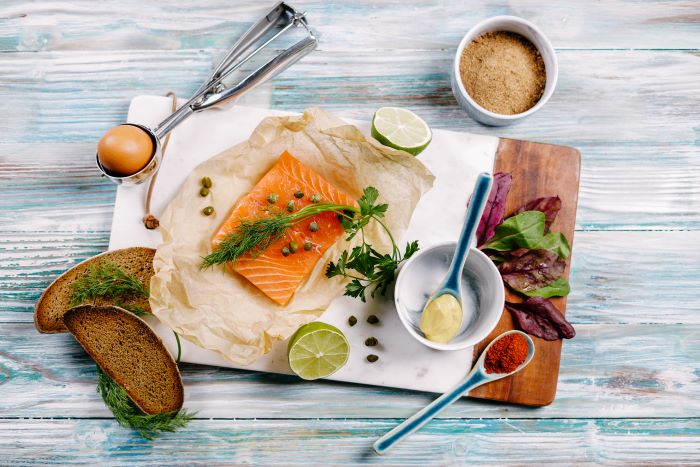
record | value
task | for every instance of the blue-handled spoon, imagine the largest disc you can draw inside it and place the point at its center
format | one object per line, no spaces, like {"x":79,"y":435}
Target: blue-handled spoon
{"x":476,"y":377}
{"x":452,"y":284}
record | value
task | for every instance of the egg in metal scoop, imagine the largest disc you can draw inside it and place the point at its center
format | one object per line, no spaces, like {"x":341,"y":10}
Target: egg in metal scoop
{"x":125,"y":149}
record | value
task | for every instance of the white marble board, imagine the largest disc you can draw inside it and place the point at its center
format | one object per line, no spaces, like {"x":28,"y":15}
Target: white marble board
{"x":454,"y":158}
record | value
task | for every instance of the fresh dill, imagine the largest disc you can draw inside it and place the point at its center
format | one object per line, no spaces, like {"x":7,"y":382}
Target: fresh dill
{"x":109,"y":281}
{"x":129,"y":415}
{"x":373,"y":271}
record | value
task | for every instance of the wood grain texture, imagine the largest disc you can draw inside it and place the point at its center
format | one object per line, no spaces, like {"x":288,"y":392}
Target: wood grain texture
{"x":608,"y":370}
{"x":348,"y":442}
{"x":538,"y":170}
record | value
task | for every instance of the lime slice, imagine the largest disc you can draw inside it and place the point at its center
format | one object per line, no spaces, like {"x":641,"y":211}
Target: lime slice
{"x":401,"y":129}
{"x":317,"y":350}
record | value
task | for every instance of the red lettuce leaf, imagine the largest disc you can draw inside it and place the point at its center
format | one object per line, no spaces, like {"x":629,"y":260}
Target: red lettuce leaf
{"x":533,"y":270}
{"x":539,"y":317}
{"x":495,"y":207}
{"x":549,"y":205}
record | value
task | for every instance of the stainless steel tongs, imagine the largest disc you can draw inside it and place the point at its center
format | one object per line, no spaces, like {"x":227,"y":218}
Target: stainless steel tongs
{"x":279,"y":20}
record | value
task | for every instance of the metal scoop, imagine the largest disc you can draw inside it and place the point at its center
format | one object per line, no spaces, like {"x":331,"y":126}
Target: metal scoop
{"x":279,"y":20}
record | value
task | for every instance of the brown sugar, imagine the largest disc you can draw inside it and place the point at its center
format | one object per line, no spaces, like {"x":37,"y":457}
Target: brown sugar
{"x":503,"y":72}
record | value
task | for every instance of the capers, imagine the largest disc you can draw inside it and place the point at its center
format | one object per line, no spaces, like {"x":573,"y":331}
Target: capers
{"x":308,"y":245}
{"x":272,"y":198}
{"x":208,"y":211}
{"x":290,"y":206}
{"x":371,"y":341}
{"x":313,"y":226}
{"x":285,"y":251}
{"x":204,"y":191}
{"x":352,"y":321}
{"x":298,"y":194}
{"x":316,"y":198}
{"x":293,"y":246}
{"x":372,"y":319}
{"x":206,"y":182}
{"x":372,"y":358}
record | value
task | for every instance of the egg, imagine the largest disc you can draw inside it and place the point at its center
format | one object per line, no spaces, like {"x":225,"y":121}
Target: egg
{"x":124,"y":150}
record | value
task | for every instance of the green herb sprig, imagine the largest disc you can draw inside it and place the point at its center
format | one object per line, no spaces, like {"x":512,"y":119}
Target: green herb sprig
{"x":373,"y":271}
{"x":109,"y":281}
{"x":128,"y":415}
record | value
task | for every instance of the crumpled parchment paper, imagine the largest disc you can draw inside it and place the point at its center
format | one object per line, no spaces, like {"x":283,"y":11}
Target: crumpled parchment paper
{"x":220,"y":310}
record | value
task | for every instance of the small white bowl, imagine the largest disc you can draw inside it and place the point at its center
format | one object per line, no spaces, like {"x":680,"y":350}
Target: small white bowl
{"x":421,"y":275}
{"x":525,"y":29}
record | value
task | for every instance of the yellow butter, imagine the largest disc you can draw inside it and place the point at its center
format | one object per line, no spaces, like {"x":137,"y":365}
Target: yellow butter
{"x":441,"y":319}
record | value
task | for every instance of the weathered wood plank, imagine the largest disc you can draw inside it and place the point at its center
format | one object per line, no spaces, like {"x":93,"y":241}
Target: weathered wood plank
{"x":617,"y":277}
{"x":309,"y":442}
{"x":633,"y":98}
{"x":606,"y":371}
{"x":172,"y":25}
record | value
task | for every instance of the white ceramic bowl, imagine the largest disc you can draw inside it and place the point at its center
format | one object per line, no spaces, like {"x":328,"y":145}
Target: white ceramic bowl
{"x":421,"y":275}
{"x":525,"y":29}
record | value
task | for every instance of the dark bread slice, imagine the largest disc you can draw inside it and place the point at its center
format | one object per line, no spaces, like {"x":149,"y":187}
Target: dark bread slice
{"x":126,"y":348}
{"x":53,"y":303}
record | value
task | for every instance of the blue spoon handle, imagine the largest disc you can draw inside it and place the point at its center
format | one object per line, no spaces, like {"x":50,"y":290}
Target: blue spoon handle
{"x":411,"y":425}
{"x":482,"y":187}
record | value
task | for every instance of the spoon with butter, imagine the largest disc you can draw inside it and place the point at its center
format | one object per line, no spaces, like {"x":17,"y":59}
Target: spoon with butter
{"x":442,"y":316}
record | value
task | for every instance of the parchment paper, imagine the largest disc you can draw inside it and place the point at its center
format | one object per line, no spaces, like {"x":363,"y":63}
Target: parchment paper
{"x":220,"y":310}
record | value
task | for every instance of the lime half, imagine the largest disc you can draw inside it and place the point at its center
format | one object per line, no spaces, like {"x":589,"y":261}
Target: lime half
{"x":317,"y":350}
{"x":401,"y":129}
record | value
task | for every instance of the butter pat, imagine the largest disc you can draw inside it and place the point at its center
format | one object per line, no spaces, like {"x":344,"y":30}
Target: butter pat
{"x":441,"y":318}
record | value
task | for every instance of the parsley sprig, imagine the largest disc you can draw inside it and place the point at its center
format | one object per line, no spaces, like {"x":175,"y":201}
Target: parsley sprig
{"x":369,"y":271}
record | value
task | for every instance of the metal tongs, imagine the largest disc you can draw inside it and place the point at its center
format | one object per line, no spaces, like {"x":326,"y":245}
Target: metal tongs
{"x":279,"y":20}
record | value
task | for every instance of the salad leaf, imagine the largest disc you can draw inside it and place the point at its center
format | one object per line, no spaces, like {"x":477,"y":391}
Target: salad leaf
{"x":532,"y":271}
{"x":556,"y":242}
{"x":495,"y":207}
{"x":538,"y":316}
{"x":549,"y":205}
{"x":558,"y":288}
{"x":524,"y":230}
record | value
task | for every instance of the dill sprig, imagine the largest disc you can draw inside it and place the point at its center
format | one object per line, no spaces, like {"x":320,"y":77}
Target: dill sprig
{"x":255,"y":236}
{"x":128,"y":415}
{"x":107,"y":280}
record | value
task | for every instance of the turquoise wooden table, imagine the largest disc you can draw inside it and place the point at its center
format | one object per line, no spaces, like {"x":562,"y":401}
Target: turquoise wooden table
{"x":628,"y":98}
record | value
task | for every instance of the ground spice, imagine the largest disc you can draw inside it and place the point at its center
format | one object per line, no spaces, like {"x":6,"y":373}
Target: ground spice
{"x":503,"y":72}
{"x":507,"y":354}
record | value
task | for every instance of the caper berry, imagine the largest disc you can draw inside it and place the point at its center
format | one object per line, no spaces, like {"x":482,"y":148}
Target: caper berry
{"x":206,"y":182}
{"x":204,"y":191}
{"x":290,"y":206}
{"x":272,"y":198}
{"x":293,"y":246}
{"x":315,"y":198}
{"x":285,"y":251}
{"x":371,"y":341}
{"x":313,"y":226}
{"x":308,"y":246}
{"x":208,"y":211}
{"x":372,"y":358}
{"x":372,"y":319}
{"x":352,"y":321}
{"x":298,"y":194}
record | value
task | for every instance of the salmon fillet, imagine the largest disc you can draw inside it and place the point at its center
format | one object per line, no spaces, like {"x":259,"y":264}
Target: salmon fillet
{"x":276,"y":275}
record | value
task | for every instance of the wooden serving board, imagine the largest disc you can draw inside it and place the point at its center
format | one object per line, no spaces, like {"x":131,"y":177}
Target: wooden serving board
{"x":538,"y":170}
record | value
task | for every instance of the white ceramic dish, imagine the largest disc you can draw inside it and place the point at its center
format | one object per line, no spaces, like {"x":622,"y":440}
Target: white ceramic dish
{"x":525,"y":29}
{"x":483,"y":295}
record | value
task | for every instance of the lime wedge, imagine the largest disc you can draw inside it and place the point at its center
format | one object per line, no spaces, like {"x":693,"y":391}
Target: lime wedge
{"x":401,"y":129}
{"x":317,"y":350}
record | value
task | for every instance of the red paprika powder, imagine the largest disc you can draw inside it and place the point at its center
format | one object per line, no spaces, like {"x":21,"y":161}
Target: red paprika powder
{"x":507,"y":354}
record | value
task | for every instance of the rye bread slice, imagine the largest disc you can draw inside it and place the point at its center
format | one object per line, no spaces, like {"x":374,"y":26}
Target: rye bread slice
{"x":126,"y":348}
{"x":53,"y":303}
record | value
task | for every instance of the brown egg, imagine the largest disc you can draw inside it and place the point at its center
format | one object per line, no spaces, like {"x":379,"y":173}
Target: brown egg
{"x":124,"y":150}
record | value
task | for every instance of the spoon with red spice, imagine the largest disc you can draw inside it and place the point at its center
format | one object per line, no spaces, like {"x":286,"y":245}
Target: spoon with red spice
{"x":505,"y":355}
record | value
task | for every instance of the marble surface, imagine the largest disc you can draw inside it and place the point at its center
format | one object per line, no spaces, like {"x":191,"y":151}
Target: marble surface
{"x":454,"y":158}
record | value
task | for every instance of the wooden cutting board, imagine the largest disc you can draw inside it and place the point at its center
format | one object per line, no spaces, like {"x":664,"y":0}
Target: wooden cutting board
{"x":538,"y":170}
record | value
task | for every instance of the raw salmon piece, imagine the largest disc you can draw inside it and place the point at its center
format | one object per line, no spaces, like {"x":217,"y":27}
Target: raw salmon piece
{"x":276,"y":275}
